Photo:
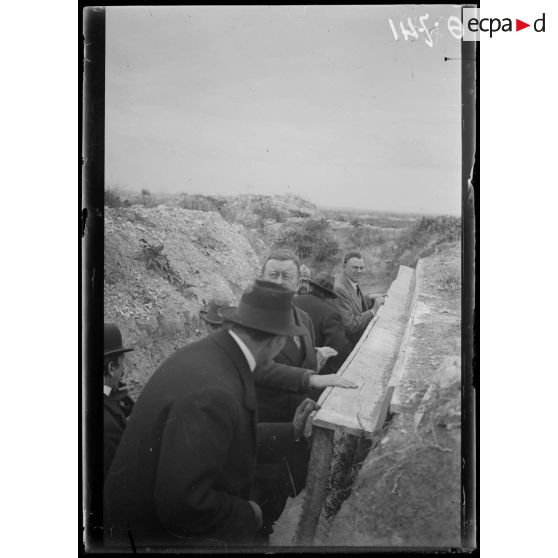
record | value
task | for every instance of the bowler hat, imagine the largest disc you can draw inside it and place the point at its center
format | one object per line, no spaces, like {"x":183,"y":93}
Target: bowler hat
{"x":113,"y":341}
{"x":324,"y":282}
{"x":265,"y":306}
{"x":212,"y":312}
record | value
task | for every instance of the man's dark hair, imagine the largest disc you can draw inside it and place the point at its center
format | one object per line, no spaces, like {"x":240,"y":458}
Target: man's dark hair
{"x":283,"y":255}
{"x":352,"y":254}
{"x":254,"y":334}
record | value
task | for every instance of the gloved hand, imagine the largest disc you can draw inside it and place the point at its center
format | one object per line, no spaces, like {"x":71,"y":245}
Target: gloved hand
{"x":301,"y":415}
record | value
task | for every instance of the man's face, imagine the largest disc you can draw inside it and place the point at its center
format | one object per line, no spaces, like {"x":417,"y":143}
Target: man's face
{"x":284,"y":273}
{"x":354,"y":269}
{"x":115,"y":371}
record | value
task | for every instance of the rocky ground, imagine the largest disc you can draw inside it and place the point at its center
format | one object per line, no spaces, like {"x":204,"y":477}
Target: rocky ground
{"x":157,"y":308}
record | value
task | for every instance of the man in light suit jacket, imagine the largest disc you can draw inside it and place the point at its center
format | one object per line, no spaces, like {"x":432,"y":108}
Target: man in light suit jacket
{"x":356,"y":309}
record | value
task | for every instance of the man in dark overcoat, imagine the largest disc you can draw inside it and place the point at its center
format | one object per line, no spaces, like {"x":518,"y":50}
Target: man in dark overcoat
{"x":116,"y":405}
{"x":183,"y":471}
{"x":328,"y":328}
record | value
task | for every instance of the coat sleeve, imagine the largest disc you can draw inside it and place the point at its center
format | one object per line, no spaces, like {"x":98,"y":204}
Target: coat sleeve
{"x":355,"y":324}
{"x":282,"y":377}
{"x":195,"y":443}
{"x":334,"y":334}
{"x":275,"y":440}
{"x":112,"y":436}
{"x":335,"y":337}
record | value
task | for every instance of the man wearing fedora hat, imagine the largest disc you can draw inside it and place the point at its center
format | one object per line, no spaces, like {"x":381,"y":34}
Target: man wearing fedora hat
{"x":328,"y":328}
{"x":211,"y":314}
{"x":114,"y":413}
{"x":183,"y":471}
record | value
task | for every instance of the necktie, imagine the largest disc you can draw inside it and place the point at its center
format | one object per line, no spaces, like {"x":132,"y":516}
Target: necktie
{"x":362,"y":301}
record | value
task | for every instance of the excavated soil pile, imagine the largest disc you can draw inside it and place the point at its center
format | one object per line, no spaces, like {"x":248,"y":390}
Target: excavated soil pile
{"x":154,"y":293}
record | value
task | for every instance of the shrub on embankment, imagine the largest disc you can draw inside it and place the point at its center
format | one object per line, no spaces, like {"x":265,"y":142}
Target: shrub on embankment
{"x":423,"y":238}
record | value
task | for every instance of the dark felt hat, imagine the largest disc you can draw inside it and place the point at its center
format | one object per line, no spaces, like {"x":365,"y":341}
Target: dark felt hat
{"x":324,"y":282}
{"x":212,"y":312}
{"x":265,"y":306}
{"x":113,"y":341}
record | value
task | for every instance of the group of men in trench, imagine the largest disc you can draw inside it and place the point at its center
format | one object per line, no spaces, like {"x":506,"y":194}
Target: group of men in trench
{"x":219,"y":437}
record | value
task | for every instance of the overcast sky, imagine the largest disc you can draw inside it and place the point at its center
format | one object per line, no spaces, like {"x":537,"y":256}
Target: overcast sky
{"x":318,"y":101}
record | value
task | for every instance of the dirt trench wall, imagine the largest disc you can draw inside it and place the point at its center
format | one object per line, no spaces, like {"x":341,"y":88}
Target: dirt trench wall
{"x":408,"y":491}
{"x":157,"y":309}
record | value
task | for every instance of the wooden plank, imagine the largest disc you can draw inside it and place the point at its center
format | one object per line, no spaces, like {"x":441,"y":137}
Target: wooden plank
{"x":318,"y":474}
{"x":383,"y":412}
{"x":399,"y":367}
{"x":369,"y":365}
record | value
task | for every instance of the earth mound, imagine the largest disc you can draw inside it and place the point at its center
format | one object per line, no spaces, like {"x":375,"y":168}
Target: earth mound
{"x":162,"y":265}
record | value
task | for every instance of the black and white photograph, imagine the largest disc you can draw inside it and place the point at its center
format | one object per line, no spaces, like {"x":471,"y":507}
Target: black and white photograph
{"x":281,"y":273}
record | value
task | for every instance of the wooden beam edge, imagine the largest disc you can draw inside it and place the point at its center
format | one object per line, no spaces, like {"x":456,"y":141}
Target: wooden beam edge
{"x":399,"y":367}
{"x":406,"y":275}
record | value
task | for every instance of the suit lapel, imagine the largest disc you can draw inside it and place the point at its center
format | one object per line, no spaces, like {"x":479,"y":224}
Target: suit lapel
{"x":290,"y":351}
{"x":352,"y":294}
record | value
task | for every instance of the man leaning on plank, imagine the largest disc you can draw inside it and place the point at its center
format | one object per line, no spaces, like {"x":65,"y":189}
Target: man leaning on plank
{"x":182,"y":474}
{"x":355,"y":308}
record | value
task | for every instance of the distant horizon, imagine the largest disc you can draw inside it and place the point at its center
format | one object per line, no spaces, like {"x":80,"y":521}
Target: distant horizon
{"x":128,"y":191}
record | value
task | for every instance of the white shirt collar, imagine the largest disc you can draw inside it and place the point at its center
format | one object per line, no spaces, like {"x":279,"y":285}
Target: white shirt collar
{"x":245,"y":351}
{"x":107,"y":390}
{"x":355,"y":285}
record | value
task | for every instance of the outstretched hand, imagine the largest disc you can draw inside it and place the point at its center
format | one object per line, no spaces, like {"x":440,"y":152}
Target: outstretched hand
{"x":331,"y":380}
